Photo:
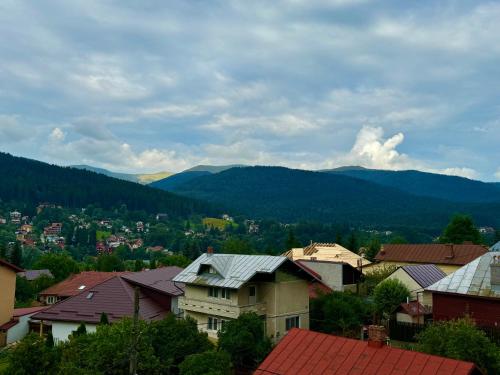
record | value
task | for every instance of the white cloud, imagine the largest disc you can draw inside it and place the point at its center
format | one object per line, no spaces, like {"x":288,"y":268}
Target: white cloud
{"x":497,"y":173}
{"x":57,"y":135}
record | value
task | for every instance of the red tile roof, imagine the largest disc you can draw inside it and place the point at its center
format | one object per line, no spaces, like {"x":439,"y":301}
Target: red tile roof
{"x":72,"y":285}
{"x":28,"y":310}
{"x":11,"y":266}
{"x":303,"y":352}
{"x":414,"y":308}
{"x":431,"y":253}
{"x":115,"y":297}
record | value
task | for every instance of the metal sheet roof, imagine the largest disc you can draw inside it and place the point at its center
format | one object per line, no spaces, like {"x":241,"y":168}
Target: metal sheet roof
{"x":472,"y":279}
{"x":495,"y":247}
{"x":232,"y":270}
{"x":424,"y":274}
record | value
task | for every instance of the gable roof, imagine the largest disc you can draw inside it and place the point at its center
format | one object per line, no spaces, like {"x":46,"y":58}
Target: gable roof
{"x":73,"y":284}
{"x":28,"y":310}
{"x":307,"y":352}
{"x":159,"y":279}
{"x":232,"y":270}
{"x":424,"y":274}
{"x":330,"y":252}
{"x":414,"y":308}
{"x":31,"y":275}
{"x":115,"y":297}
{"x":431,"y":253}
{"x":472,"y":279}
{"x":10,"y":266}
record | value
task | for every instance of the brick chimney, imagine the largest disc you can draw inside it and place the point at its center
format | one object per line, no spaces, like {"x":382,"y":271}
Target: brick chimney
{"x":210,"y":250}
{"x":495,"y":271}
{"x":376,"y":336}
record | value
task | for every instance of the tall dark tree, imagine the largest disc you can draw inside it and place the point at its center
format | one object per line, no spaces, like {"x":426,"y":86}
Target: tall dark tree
{"x":292,"y":241}
{"x":352,"y":242}
{"x":16,"y":256}
{"x":460,"y":229}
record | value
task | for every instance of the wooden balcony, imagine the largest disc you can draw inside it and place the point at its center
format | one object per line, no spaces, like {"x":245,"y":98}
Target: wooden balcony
{"x":220,"y":307}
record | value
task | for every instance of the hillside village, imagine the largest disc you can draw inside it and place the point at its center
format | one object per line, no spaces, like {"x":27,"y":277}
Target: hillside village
{"x":381,"y":302}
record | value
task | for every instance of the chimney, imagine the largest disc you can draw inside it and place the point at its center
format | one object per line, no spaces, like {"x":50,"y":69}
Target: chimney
{"x":495,"y":272}
{"x":376,"y":336}
{"x":452,"y":253}
{"x":210,"y":250}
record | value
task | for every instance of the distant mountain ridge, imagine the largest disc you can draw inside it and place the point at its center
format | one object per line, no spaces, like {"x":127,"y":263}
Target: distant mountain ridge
{"x":143,"y":179}
{"x":291,"y":195}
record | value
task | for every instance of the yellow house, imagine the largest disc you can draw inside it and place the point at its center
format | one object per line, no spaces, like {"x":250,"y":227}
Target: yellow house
{"x":448,"y":257}
{"x":221,"y":287}
{"x":327,"y":252}
{"x":416,"y":278}
{"x":8,"y":293}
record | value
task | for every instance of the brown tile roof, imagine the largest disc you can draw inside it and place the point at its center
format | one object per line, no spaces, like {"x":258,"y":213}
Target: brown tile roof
{"x":115,"y":297}
{"x":159,"y":279}
{"x":303,"y":352}
{"x":73,"y":284}
{"x":28,"y":310}
{"x":431,"y":253}
{"x":414,"y":308}
{"x":10,"y":266}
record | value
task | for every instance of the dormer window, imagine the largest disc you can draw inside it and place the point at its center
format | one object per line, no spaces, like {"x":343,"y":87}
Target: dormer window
{"x":81,"y":287}
{"x":212,"y":270}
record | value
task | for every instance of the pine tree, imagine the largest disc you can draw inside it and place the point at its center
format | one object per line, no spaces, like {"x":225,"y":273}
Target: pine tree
{"x":104,"y":319}
{"x":16,"y":257}
{"x":292,"y":241}
{"x":352,"y":243}
{"x":49,"y":342}
{"x":81,"y":330}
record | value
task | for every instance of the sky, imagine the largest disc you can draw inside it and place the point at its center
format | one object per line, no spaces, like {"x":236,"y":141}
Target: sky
{"x":146,"y":86}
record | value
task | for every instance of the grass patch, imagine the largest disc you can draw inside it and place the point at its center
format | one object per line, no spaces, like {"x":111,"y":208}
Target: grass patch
{"x":101,"y":235}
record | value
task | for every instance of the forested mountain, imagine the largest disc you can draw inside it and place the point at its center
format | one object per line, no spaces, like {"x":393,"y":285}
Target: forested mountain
{"x":31,"y":182}
{"x":293,"y":195}
{"x":213,"y":168}
{"x":144,"y":179}
{"x":453,"y":188}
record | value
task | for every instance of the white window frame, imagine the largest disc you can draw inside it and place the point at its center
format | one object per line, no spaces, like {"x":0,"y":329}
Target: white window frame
{"x":213,"y":292}
{"x":294,"y":322}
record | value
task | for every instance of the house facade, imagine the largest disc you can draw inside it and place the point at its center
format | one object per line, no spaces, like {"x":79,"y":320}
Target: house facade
{"x":472,"y":291}
{"x":330,"y":252}
{"x":339,"y":277}
{"x":221,"y":287}
{"x":8,"y":273}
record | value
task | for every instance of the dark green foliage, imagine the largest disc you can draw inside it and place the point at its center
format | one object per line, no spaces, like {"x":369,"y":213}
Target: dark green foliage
{"x":292,"y":241}
{"x":292,"y":195}
{"x":60,"y":265}
{"x":172,"y":260}
{"x":24,"y":290}
{"x":49,"y":342}
{"x":460,"y":229}
{"x":352,"y":243}
{"x":31,"y":356}
{"x":340,"y":313}
{"x":375,"y":277}
{"x":175,"y":339}
{"x":104,"y":320}
{"x":138,"y":265}
{"x":398,"y":240}
{"x":388,"y":295}
{"x":235,"y":245}
{"x":16,"y":256}
{"x":373,"y":249}
{"x":32,"y":182}
{"x":109,"y":263}
{"x":208,"y":363}
{"x":460,"y":339}
{"x":81,"y":330}
{"x":245,"y":340}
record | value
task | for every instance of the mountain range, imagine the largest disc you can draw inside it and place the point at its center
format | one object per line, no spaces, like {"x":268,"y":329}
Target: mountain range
{"x":143,"y":179}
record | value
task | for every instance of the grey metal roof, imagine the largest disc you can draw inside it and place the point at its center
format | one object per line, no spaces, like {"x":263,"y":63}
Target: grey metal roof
{"x":471,"y":279}
{"x":424,"y":274}
{"x":495,"y":247}
{"x":232,"y":270}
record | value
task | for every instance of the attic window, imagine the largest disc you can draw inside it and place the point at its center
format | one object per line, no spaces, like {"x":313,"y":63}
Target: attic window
{"x":81,"y":287}
{"x":212,"y":270}
{"x":90,"y":295}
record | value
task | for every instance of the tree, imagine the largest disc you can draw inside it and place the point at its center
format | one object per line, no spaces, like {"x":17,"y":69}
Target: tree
{"x":60,"y":265}
{"x":388,"y":295}
{"x":24,"y":290}
{"x":31,"y":356}
{"x":235,"y":245}
{"x":138,"y":265}
{"x":174,"y":260}
{"x":292,"y":241}
{"x":49,"y":342}
{"x":460,"y":229}
{"x":339,"y":312}
{"x":373,"y":249}
{"x":245,"y":340}
{"x":152,"y":264}
{"x":460,"y":339}
{"x":81,"y":330}
{"x":104,"y":319}
{"x":109,"y":263}
{"x":207,"y":363}
{"x":16,"y":256}
{"x":352,"y":243}
{"x":399,"y":239}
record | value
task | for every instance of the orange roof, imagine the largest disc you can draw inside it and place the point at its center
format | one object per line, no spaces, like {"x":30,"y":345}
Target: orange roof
{"x":77,"y":283}
{"x":303,"y":352}
{"x":433,"y":253}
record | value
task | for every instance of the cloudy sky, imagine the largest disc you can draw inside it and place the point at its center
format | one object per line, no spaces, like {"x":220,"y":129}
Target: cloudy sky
{"x":143,"y":86}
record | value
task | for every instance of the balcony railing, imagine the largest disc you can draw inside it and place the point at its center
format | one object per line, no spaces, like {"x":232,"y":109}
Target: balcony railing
{"x":223,"y":309}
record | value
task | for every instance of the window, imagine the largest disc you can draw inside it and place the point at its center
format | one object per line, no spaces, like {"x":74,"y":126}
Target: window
{"x":212,"y":270}
{"x":213,"y":324}
{"x":292,"y":322}
{"x":213,"y":292}
{"x":226,"y":293}
{"x":51,"y":300}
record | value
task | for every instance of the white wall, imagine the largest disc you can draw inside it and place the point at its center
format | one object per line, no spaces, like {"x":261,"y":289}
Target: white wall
{"x":62,"y":330}
{"x":20,"y":330}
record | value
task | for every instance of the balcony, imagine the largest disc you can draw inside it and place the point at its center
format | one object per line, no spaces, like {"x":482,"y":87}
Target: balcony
{"x":220,"y":308}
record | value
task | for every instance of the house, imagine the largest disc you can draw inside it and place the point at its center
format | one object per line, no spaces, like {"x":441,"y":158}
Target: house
{"x":19,"y":326}
{"x":448,"y":257}
{"x":15,"y":217}
{"x":413,"y":312}
{"x":31,"y":275}
{"x":337,"y":276}
{"x":313,"y":353}
{"x":473,"y":290}
{"x":8,"y":273}
{"x":139,"y":226}
{"x":221,"y":287}
{"x":330,"y":252}
{"x":27,"y":228}
{"x":53,"y":229}
{"x":416,"y":278}
{"x":74,"y":285}
{"x":3,"y":220}
{"x":115,"y":297}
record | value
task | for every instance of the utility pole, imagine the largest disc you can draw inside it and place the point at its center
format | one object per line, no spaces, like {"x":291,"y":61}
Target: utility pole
{"x":135,"y":334}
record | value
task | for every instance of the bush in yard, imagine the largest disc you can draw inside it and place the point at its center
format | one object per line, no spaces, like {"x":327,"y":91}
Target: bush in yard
{"x":461,"y":339}
{"x":388,"y":295}
{"x":207,"y":363}
{"x":32,"y":356}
